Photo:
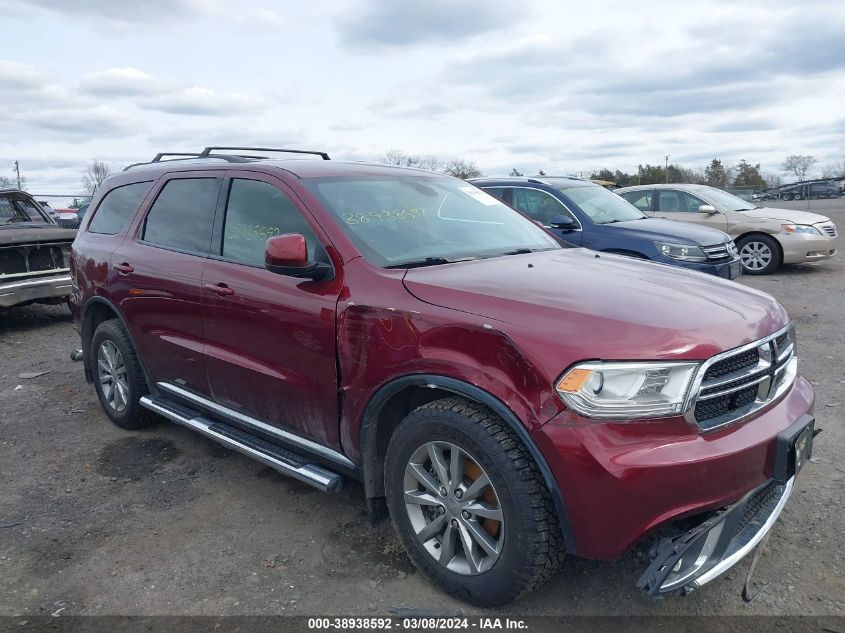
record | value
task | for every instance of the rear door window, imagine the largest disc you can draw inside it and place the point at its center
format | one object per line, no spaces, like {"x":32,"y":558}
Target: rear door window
{"x":117,"y":208}
{"x":181,"y":217}
{"x":255,"y":212}
{"x":672,"y":201}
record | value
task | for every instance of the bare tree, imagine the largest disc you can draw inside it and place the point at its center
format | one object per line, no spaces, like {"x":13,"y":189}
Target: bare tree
{"x":402,"y":159}
{"x":515,"y":172}
{"x":463,"y":169}
{"x":6,"y":183}
{"x":834,"y":170}
{"x":798,"y":164}
{"x":95,"y":173}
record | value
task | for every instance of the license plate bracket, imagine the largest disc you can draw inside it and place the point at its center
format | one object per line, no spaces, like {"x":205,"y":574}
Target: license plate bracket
{"x":735,"y":269}
{"x":794,"y":448}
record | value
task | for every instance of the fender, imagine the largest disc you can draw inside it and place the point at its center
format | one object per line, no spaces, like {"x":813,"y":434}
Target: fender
{"x":89,"y":372}
{"x":369,"y":426}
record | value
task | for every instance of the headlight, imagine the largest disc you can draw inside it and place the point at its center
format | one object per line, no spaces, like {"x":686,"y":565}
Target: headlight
{"x":800,"y":228}
{"x":628,"y":390}
{"x":683,"y":252}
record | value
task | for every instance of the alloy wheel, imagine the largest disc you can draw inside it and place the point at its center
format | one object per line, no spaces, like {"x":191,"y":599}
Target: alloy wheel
{"x":111,"y":372}
{"x":755,"y":255}
{"x":453,"y":508}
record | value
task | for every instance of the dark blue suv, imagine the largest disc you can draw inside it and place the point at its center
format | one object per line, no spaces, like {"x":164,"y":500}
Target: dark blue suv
{"x":585,"y":214}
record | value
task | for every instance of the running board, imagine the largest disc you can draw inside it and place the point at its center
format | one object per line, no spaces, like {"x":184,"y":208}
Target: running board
{"x":280,"y":459}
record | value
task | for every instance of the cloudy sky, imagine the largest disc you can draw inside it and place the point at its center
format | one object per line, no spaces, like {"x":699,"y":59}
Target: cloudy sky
{"x":560,"y":86}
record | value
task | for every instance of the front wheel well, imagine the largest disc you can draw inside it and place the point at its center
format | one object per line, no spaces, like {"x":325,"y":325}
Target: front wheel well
{"x":389,"y":406}
{"x":739,"y":238}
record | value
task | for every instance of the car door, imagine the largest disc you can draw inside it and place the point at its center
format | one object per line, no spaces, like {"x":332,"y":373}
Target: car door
{"x":542,"y":206}
{"x":156,"y":276}
{"x":269,"y":339}
{"x":674,"y":204}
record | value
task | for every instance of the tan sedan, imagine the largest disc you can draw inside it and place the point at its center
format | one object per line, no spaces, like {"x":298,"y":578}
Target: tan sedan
{"x":765,"y":237}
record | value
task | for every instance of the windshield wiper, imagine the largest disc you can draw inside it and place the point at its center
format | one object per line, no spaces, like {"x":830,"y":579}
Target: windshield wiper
{"x":520,"y":251}
{"x":428,"y":261}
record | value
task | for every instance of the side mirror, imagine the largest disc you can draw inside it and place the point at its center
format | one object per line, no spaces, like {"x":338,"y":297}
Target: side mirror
{"x":563,"y":222}
{"x":288,"y":255}
{"x":707,"y":208}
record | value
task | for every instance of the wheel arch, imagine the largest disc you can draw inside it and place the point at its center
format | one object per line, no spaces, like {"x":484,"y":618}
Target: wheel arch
{"x":97,"y":310}
{"x":389,"y":405}
{"x":748,"y":234}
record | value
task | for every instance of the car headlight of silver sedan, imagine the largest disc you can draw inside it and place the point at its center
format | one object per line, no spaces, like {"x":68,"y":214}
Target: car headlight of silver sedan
{"x":627,"y":390}
{"x":800,"y":228}
{"x":684,"y":252}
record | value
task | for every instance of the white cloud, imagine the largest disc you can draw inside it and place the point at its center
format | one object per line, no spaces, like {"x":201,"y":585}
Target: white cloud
{"x":121,"y":82}
{"x":201,"y":101}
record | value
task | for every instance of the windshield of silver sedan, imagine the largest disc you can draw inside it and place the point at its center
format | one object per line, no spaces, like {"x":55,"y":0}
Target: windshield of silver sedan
{"x":423,"y":221}
{"x":725,"y":201}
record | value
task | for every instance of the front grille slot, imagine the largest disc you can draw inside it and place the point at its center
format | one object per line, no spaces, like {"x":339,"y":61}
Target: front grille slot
{"x":740,"y":383}
{"x":829,"y":228}
{"x":727,"y":250}
{"x":732,"y":364}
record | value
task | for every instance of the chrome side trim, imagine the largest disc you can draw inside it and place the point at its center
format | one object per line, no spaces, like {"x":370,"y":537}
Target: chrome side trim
{"x":320,"y":478}
{"x":290,"y":438}
{"x":728,"y":562}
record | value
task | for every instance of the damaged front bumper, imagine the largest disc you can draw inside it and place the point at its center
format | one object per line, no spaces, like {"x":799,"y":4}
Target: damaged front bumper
{"x":22,"y":291}
{"x":689,"y":561}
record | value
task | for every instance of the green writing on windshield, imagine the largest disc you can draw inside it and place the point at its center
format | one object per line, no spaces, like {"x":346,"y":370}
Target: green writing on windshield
{"x":365,"y":217}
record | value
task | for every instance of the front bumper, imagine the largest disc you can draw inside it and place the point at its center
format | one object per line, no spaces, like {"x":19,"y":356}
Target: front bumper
{"x":693,"y":559}
{"x":801,"y":247}
{"x":725,"y":269}
{"x":38,"y":289}
{"x":621,"y":482}
{"x":686,"y":562}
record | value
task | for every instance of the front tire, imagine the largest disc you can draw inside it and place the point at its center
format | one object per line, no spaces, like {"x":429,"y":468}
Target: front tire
{"x":759,"y":254}
{"x":469,"y":503}
{"x":118,"y":377}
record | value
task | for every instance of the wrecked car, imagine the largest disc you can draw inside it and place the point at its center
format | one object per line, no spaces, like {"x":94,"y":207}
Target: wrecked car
{"x":505,"y":400}
{"x":34,"y":253}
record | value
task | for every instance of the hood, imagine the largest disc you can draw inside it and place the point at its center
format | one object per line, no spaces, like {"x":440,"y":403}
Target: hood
{"x":16,"y":234}
{"x":656,"y":229}
{"x":790,"y":215}
{"x":589,"y":305}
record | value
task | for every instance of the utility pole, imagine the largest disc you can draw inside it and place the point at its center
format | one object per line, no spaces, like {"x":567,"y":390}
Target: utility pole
{"x":667,"y":169}
{"x":18,"y":172}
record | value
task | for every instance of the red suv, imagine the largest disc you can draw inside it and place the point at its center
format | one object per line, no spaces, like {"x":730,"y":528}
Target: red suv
{"x":505,"y":399}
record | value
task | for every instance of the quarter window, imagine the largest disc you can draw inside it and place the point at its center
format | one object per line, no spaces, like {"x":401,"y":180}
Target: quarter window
{"x":117,"y":208}
{"x":181,"y":217}
{"x":679,"y":202}
{"x":255,"y":212}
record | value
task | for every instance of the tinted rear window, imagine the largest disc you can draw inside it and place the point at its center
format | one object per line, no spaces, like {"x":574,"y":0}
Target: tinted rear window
{"x":117,"y":208}
{"x":181,"y":217}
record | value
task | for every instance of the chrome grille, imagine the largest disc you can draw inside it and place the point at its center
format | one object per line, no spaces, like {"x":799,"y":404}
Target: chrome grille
{"x":727,"y":250}
{"x":827,"y":227}
{"x":733,"y":385}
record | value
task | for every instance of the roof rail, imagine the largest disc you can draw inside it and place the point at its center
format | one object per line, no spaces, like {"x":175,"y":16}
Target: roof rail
{"x":207,"y":151}
{"x":161,"y":155}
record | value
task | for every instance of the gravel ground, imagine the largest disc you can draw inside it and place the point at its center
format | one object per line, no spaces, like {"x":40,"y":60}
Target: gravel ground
{"x":96,"y":520}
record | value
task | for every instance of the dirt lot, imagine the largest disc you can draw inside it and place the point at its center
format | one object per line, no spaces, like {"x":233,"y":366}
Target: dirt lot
{"x":95,"y":520}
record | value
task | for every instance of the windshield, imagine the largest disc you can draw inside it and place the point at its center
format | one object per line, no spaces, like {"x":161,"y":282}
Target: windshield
{"x":601,"y":205}
{"x":727,"y":201}
{"x":425,"y":221}
{"x":14,"y":210}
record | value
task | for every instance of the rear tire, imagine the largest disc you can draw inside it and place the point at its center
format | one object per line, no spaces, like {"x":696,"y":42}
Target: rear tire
{"x":118,"y":377}
{"x":759,"y":254}
{"x":486,"y":543}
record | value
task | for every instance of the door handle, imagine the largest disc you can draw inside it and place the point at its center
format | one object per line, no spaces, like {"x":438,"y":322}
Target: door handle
{"x":221,"y":289}
{"x":123,"y":269}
